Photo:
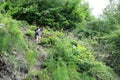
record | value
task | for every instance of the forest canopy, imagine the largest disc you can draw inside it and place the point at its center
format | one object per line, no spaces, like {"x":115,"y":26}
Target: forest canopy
{"x":62,"y":14}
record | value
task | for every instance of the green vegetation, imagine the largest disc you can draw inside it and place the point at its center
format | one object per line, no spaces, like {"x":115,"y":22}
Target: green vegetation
{"x":69,"y":60}
{"x":64,"y":14}
{"x":74,"y":45}
{"x":10,"y":35}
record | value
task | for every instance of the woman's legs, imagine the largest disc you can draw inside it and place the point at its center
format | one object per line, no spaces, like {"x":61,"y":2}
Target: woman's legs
{"x":37,"y":39}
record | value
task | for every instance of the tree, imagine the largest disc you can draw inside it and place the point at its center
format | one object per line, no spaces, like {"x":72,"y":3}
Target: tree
{"x":111,"y":14}
{"x":63,"y":14}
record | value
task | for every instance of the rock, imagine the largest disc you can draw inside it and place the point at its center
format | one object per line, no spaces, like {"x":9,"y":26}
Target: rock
{"x":24,"y":69}
{"x":5,"y":71}
{"x":14,"y":52}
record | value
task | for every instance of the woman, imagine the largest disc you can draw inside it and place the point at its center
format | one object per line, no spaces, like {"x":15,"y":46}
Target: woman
{"x":38,"y":33}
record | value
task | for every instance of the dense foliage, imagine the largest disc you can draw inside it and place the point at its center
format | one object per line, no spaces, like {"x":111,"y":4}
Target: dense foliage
{"x":10,"y":35}
{"x":64,"y":14}
{"x":105,"y":30}
{"x":70,"y":60}
{"x":113,"y":40}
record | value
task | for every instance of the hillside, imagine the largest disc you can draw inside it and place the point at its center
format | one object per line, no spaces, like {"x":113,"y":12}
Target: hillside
{"x":74,"y":44}
{"x":68,"y":59}
{"x":19,"y":55}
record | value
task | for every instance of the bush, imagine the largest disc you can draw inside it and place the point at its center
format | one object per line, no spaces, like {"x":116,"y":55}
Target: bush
{"x":29,"y":33}
{"x":31,"y":57}
{"x":10,"y":34}
{"x":50,"y":37}
{"x":101,"y":71}
{"x":114,"y":49}
{"x":32,"y":28}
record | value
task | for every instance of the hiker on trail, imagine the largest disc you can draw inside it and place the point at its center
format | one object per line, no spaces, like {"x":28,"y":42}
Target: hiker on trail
{"x":38,"y":33}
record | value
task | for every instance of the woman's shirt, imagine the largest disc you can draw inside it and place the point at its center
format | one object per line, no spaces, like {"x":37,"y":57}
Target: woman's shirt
{"x":39,"y":31}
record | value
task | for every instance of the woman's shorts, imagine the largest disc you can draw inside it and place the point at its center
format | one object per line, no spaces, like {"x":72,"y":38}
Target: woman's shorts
{"x":36,"y":34}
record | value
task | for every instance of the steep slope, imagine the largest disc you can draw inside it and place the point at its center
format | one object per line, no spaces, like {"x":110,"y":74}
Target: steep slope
{"x":18,"y":54}
{"x":59,"y":56}
{"x":70,"y":59}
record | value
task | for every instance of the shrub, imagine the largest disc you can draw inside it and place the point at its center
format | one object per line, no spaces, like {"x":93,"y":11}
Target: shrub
{"x":31,"y":58}
{"x":30,"y":33}
{"x":101,"y":71}
{"x":32,"y":27}
{"x":10,"y":35}
{"x":114,"y":49}
{"x":50,"y":37}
